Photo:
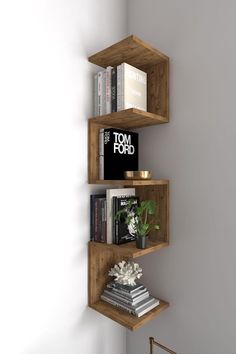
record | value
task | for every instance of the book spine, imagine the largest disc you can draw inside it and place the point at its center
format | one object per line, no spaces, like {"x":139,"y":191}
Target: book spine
{"x":101,"y":142}
{"x":108,"y":89}
{"x":130,"y":297}
{"x":117,"y":304}
{"x":114,"y":89}
{"x":105,"y":224}
{"x":122,"y":98}
{"x":95,"y":95}
{"x":116,"y":296}
{"x":95,"y":220}
{"x":103,"y":108}
{"x":113,"y":219}
{"x":118,"y":88}
{"x":91,"y":218}
{"x":102,"y":221}
{"x":101,"y":154}
{"x":116,"y":225}
{"x":101,"y":167}
{"x":100,"y":93}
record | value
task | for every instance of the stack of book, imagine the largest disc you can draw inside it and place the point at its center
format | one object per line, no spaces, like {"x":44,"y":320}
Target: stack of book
{"x":134,"y":299}
{"x":104,"y":226}
{"x":119,"y":88}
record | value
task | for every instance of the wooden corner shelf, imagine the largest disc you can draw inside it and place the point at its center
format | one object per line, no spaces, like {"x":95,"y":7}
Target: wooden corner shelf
{"x":130,"y":183}
{"x":132,"y":50}
{"x":129,"y":119}
{"x":129,"y":321}
{"x":136,"y":52}
{"x":102,"y":257}
{"x":129,"y":250}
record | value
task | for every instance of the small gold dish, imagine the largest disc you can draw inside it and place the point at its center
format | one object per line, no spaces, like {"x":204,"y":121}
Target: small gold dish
{"x":137,"y":175}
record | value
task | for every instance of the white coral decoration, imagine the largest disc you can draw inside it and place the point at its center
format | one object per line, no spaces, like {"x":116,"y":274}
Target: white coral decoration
{"x":126,"y":273}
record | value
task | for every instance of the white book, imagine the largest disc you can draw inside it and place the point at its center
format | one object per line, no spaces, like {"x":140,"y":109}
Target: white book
{"x":131,"y":88}
{"x":108,"y":89}
{"x":95,"y":95}
{"x":110,"y":193}
{"x":148,"y":308}
{"x":103,"y":109}
{"x":101,"y":167}
{"x":100,"y":93}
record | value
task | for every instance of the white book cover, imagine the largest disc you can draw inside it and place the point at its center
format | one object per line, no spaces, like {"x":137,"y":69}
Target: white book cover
{"x":132,"y":88}
{"x":110,"y":193}
{"x":95,"y":95}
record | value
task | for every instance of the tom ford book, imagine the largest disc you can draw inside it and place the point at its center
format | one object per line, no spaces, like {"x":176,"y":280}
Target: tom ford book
{"x":118,"y":152}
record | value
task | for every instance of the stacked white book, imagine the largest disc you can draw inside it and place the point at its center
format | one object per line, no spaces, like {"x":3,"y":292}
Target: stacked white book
{"x":133,"y":299}
{"x":119,"y":88}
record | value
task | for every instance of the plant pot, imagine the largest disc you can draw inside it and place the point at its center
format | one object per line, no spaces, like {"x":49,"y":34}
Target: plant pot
{"x":141,"y":242}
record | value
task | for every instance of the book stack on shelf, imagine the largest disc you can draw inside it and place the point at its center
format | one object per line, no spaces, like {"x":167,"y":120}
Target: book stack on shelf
{"x":118,"y":152}
{"x":104,"y":225}
{"x":119,"y":88}
{"x":135,"y":300}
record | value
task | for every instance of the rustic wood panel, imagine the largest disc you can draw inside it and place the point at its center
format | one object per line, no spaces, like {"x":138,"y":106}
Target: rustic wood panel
{"x":129,"y":321}
{"x":101,"y":259}
{"x":158,"y":88}
{"x":129,"y":119}
{"x":161,"y":195}
{"x":129,"y":250}
{"x":130,"y":183}
{"x":131,"y":50}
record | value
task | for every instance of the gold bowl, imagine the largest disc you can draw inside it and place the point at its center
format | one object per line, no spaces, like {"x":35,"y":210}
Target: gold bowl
{"x":137,"y":175}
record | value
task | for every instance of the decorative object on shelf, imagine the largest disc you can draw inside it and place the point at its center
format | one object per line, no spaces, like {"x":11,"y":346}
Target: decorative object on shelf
{"x":140,"y":219}
{"x":126,"y":273}
{"x":152,"y":342}
{"x":136,"y":175}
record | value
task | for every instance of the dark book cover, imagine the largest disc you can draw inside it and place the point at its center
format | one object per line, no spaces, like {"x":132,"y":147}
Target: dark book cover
{"x":94,"y":216}
{"x":114,"y":89}
{"x":123,"y":232}
{"x":120,"y":149}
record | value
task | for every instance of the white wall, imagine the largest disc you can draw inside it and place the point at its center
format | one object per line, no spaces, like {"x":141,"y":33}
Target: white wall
{"x":196,"y":151}
{"x":45,"y":100}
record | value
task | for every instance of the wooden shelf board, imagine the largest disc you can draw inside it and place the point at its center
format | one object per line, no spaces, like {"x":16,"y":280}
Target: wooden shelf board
{"x":126,"y":182}
{"x":131,"y":50}
{"x":130,"y":250}
{"x":129,"y":119}
{"x":125,"y":319}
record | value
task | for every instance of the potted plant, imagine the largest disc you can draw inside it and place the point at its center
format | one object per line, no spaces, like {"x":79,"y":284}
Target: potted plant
{"x":141,"y":219}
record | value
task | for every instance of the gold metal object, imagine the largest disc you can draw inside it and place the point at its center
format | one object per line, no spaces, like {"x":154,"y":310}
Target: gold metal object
{"x":153,"y":342}
{"x":137,"y":174}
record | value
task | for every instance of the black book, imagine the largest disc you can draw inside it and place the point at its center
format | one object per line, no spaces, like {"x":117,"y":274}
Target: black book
{"x":118,"y":152}
{"x":114,"y":89}
{"x":123,"y":232}
{"x":94,"y":215}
